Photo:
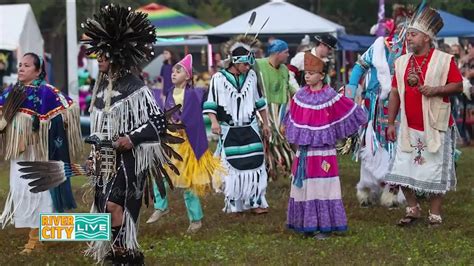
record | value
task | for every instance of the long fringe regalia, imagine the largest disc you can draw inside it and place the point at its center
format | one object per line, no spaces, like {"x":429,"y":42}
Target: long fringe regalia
{"x":378,"y":62}
{"x":44,"y":127}
{"x":275,"y":87}
{"x":123,"y":106}
{"x":124,"y":176}
{"x":235,"y":103}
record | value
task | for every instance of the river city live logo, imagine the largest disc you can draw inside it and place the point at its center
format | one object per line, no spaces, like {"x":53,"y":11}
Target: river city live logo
{"x":75,"y":227}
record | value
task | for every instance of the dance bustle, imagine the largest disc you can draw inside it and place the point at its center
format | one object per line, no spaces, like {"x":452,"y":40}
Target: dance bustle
{"x":158,"y":172}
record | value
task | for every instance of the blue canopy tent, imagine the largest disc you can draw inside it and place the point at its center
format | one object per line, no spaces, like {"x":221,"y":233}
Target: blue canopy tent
{"x":349,"y":42}
{"x":455,"y":26}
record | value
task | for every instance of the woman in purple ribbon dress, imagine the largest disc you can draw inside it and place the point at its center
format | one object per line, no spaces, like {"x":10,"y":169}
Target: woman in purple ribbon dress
{"x":38,"y":123}
{"x":318,"y":117}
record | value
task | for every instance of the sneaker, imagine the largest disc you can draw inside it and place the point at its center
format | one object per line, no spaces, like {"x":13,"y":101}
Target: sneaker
{"x":194,"y":227}
{"x":157,"y":214}
{"x":321,"y":236}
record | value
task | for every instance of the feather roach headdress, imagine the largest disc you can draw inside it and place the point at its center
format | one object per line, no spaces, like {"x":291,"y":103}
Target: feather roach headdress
{"x":426,"y":20}
{"x":249,"y":43}
{"x":123,"y":36}
{"x":241,"y":48}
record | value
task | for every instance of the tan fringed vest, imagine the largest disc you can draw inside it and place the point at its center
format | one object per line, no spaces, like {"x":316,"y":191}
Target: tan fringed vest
{"x":436,"y":112}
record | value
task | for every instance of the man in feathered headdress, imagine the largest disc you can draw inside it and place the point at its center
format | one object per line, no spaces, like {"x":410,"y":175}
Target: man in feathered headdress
{"x":378,"y":63}
{"x":424,"y":79}
{"x":124,"y":113}
{"x":232,"y":105}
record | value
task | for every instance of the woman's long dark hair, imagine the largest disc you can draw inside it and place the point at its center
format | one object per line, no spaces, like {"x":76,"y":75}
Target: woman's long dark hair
{"x":39,"y":65}
{"x":38,"y":62}
{"x":174,"y":58}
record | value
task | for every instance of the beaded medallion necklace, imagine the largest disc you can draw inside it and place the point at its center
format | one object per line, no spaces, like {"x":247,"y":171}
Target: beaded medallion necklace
{"x":414,"y":73}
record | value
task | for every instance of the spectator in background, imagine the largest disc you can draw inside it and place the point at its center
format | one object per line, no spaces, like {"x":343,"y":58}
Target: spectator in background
{"x":458,"y":101}
{"x":170,"y":59}
{"x":458,"y":53}
{"x":3,"y":68}
{"x":217,"y":63}
{"x":259,"y":53}
{"x":467,"y":63}
{"x":82,"y":57}
{"x":297,"y":62}
{"x":445,"y":48}
{"x":325,"y":44}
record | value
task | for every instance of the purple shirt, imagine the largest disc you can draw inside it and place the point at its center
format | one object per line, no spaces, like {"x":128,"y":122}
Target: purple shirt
{"x":191,"y":117}
{"x":165,"y":74}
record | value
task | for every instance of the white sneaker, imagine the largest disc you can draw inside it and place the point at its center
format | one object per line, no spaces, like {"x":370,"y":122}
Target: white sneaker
{"x":322,"y":236}
{"x":194,"y":227}
{"x":157,"y":214}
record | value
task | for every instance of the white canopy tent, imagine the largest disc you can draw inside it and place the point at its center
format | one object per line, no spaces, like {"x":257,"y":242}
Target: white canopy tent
{"x":285,"y":19}
{"x":19,"y":33}
{"x":19,"y":30}
{"x":182,"y":41}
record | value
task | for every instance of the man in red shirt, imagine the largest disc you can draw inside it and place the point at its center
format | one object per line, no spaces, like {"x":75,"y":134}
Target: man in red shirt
{"x":423,"y":81}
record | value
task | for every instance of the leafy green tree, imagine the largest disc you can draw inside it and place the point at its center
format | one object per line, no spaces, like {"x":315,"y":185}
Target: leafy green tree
{"x":213,"y":12}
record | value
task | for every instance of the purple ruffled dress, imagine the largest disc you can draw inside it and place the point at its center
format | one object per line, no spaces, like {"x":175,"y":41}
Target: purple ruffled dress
{"x":316,"y":120}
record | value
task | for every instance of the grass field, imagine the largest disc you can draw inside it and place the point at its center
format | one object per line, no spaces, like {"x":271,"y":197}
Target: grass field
{"x":247,"y":239}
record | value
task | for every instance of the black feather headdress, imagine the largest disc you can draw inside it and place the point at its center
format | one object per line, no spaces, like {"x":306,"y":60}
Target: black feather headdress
{"x":123,"y":36}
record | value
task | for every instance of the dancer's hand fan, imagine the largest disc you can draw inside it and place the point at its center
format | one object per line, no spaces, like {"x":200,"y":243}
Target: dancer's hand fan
{"x":50,"y":174}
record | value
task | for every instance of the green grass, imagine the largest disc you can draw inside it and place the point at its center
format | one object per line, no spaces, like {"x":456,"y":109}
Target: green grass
{"x":247,"y":239}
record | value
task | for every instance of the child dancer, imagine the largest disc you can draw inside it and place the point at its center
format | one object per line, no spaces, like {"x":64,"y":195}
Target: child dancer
{"x":318,"y":117}
{"x":199,"y":166}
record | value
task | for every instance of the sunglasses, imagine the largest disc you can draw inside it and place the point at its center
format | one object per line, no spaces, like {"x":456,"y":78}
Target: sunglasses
{"x":244,"y":59}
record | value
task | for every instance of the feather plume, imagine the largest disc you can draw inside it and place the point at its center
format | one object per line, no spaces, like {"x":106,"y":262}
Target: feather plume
{"x":251,"y":21}
{"x":261,"y":28}
{"x":240,"y":40}
{"x":48,"y":175}
{"x":14,"y":100}
{"x":157,"y":171}
{"x":123,"y":36}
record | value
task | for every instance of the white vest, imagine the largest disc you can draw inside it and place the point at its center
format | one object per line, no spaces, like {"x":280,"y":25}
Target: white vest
{"x":436,"y":112}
